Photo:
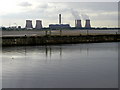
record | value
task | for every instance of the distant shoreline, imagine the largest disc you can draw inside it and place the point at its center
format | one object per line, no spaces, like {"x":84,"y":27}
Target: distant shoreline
{"x":56,"y":32}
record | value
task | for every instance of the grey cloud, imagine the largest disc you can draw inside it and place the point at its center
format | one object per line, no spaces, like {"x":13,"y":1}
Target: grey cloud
{"x":105,"y":17}
{"x":43,"y":6}
{"x":95,"y":6}
{"x":25,"y":4}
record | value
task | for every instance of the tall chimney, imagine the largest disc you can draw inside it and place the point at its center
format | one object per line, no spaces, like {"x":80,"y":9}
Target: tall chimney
{"x":59,"y":18}
{"x":38,"y":24}
{"x":78,"y":24}
{"x":75,"y":23}
{"x":87,"y":24}
{"x":28,"y":24}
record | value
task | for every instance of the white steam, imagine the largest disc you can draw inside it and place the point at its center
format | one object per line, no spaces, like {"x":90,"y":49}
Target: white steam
{"x":75,"y":14}
{"x":84,"y":16}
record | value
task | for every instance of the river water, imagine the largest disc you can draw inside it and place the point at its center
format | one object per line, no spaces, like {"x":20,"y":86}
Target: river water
{"x":91,"y":65}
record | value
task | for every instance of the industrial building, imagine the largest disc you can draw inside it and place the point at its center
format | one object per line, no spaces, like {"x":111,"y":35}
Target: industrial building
{"x":60,"y":25}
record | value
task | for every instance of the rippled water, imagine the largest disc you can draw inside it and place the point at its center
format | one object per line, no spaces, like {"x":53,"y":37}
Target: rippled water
{"x":93,"y":65}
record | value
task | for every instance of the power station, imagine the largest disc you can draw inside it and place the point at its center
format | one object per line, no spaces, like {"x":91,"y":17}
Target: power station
{"x":39,"y":25}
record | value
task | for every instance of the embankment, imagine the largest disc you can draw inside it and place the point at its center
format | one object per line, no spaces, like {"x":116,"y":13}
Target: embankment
{"x":47,"y":40}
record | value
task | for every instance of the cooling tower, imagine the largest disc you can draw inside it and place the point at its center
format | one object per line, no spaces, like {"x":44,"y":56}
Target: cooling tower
{"x":87,"y":24}
{"x":78,"y":24}
{"x":28,"y":24}
{"x":38,"y":24}
{"x":59,"y":18}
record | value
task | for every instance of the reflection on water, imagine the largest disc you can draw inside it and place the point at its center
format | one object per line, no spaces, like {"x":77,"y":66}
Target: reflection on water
{"x":61,"y":66}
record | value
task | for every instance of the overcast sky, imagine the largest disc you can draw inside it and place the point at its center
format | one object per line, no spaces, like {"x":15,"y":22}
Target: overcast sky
{"x":101,"y":14}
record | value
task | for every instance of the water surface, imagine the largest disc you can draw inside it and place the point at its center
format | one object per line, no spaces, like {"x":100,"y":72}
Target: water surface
{"x":93,"y":65}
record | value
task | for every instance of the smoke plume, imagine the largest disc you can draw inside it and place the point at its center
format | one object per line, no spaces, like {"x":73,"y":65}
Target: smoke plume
{"x":75,"y":14}
{"x":84,"y":16}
